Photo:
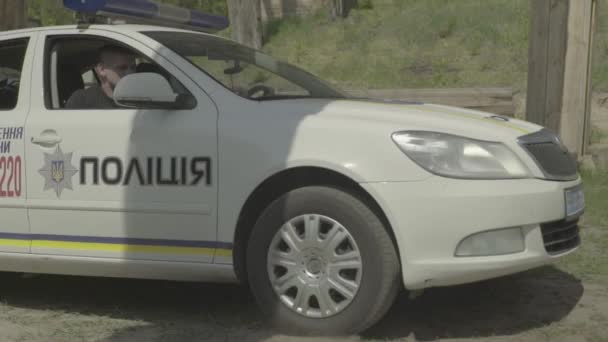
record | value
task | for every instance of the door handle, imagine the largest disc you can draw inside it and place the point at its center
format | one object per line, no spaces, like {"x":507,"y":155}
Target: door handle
{"x":46,"y":140}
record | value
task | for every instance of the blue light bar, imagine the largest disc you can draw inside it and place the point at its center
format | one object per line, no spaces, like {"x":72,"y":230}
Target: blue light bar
{"x":149,"y":10}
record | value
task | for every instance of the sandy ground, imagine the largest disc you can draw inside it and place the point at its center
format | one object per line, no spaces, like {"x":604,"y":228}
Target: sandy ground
{"x":543,"y":304}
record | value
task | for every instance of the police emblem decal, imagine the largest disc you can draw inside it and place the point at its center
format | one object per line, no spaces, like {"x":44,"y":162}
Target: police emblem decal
{"x":58,"y":171}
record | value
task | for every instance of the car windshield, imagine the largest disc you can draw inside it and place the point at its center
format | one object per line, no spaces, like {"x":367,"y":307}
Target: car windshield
{"x":245,"y":71}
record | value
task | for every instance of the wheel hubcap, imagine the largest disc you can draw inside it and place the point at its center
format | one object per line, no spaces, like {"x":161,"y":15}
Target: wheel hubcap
{"x":314,"y":265}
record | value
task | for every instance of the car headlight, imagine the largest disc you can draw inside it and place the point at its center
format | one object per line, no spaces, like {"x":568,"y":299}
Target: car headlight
{"x":458,"y":157}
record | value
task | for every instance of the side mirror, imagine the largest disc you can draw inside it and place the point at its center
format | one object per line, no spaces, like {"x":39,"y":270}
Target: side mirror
{"x":150,"y":91}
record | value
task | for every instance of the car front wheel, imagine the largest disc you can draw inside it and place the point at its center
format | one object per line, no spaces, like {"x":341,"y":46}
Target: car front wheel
{"x":319,"y":261}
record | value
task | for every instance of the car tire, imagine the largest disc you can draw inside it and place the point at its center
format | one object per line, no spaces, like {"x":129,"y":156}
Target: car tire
{"x":329,"y":303}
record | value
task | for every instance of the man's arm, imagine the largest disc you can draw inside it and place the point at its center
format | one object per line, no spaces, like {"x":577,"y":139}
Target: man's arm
{"x":76,"y":101}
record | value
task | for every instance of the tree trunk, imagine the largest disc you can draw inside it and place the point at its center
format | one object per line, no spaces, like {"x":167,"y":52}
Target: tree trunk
{"x":246,"y":22}
{"x":341,"y":8}
{"x":12,"y":15}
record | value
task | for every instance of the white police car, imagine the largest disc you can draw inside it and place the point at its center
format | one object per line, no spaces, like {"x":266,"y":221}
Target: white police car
{"x":225,"y":163}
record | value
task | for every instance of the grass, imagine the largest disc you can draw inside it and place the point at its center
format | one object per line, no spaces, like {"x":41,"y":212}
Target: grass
{"x":421,"y":43}
{"x":596,"y":196}
{"x":598,"y":136}
{"x":411,"y":43}
{"x":590,"y":262}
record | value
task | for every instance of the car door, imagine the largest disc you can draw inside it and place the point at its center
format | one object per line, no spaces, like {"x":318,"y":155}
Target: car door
{"x":16,"y":55}
{"x":119,"y":183}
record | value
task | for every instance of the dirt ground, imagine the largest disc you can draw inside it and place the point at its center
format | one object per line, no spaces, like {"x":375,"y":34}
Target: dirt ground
{"x":543,"y":304}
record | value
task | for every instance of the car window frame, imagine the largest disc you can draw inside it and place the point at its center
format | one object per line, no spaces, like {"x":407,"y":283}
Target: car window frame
{"x":48,"y":45}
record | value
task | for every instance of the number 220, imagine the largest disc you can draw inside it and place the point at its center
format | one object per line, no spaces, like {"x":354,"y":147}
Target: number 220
{"x":10,"y":176}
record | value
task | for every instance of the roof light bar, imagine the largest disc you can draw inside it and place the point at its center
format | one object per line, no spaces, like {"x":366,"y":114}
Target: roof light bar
{"x":149,"y":12}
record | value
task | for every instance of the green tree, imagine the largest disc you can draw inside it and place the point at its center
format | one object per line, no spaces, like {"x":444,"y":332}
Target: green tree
{"x":49,"y":12}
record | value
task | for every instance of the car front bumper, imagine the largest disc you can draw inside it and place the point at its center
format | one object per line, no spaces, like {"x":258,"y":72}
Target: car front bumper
{"x":431,"y":217}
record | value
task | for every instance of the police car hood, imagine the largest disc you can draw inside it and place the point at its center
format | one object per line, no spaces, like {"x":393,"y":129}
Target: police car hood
{"x":431,"y":117}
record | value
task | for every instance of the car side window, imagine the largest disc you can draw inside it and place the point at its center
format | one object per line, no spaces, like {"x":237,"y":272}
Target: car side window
{"x":245,"y":71}
{"x":12,"y":54}
{"x":82,"y":71}
{"x":248,"y":80}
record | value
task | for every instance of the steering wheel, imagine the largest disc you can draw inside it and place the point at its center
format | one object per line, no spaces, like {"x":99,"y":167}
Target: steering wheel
{"x":266,"y":91}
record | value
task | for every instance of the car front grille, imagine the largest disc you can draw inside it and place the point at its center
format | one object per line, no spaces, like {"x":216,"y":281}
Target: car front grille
{"x":560,"y":236}
{"x":555,"y":162}
{"x":552,"y":158}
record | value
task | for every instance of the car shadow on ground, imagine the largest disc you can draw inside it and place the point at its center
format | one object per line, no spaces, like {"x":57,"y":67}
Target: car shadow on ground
{"x":503,"y":306}
{"x":206,"y":312}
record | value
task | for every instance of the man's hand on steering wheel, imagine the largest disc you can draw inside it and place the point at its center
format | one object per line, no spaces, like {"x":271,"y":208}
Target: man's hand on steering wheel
{"x":266,"y":91}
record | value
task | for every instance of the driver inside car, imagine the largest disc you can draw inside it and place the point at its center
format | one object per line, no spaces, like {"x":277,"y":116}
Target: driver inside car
{"x":114,"y":63}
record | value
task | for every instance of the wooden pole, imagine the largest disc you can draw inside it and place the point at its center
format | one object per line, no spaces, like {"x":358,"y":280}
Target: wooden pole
{"x":341,"y":8}
{"x":587,"y":126}
{"x":12,"y":14}
{"x":577,"y":90}
{"x":546,"y":62}
{"x":559,"y":68}
{"x":246,"y":22}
